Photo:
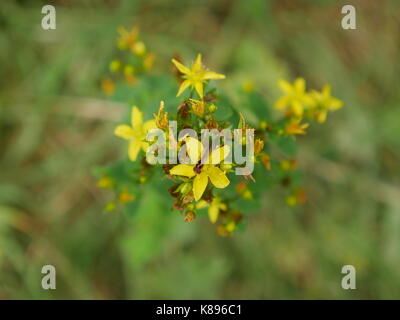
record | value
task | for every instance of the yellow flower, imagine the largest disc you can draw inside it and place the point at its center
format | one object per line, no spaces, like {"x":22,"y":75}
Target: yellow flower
{"x":195,"y":76}
{"x":127,"y":38}
{"x":295,"y":127}
{"x":136,"y":133}
{"x":203,"y":172}
{"x":325,"y":102}
{"x":214,"y":209}
{"x":296,"y":100}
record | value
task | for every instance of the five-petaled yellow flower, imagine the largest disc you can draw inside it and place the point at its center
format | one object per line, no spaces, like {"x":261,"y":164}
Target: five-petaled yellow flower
{"x":203,"y":170}
{"x":296,"y":99}
{"x":195,"y":76}
{"x":136,"y":133}
{"x":325,"y":102}
{"x":127,"y":39}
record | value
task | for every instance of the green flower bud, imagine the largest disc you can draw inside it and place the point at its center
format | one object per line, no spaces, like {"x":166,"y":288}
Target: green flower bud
{"x":186,"y":188}
{"x":212,"y":108}
{"x":226,"y":166}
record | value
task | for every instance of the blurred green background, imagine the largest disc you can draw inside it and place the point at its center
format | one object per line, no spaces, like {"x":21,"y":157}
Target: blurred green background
{"x":55,"y":125}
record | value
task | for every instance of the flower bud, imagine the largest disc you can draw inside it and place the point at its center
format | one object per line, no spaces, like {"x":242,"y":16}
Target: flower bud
{"x":115,"y":65}
{"x":189,"y":216}
{"x":231,"y":226}
{"x":226,"y":166}
{"x":291,"y":201}
{"x":248,"y":195}
{"x":198,"y":107}
{"x":186,"y":188}
{"x":110,"y":206}
{"x":128,"y":70}
{"x":221,"y":230}
{"x":212,"y":108}
{"x":139,"y":48}
{"x":263,"y":125}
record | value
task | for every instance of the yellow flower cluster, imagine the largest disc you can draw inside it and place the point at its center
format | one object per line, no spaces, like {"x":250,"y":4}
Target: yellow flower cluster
{"x":137,"y":60}
{"x":199,"y":180}
{"x":208,"y":167}
{"x":298,"y":104}
{"x":123,"y":195}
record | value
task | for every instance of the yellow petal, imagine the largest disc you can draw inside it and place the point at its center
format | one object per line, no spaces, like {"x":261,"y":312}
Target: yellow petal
{"x":134,"y":148}
{"x":321,"y":116}
{"x":285,"y":86}
{"x":297,"y":108}
{"x":199,"y":185}
{"x":185,"y":170}
{"x":136,"y":118}
{"x":199,"y":88}
{"x":194,"y":149}
{"x":213,"y":212}
{"x":180,"y":67}
{"x":281,"y":103}
{"x":326,"y":91}
{"x":124,"y":131}
{"x":197,"y":65}
{"x":212,"y":75}
{"x":201,"y":204}
{"x":309,"y":101}
{"x":183,"y":87}
{"x":149,"y":125}
{"x":144,"y":145}
{"x":218,"y":155}
{"x":335,"y":104}
{"x":300,"y":85}
{"x":217,"y":177}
